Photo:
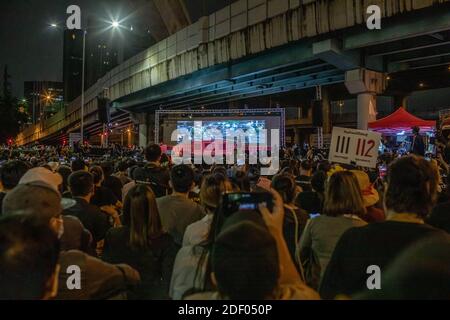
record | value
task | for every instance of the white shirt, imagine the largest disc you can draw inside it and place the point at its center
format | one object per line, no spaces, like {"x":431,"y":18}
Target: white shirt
{"x":198,"y":231}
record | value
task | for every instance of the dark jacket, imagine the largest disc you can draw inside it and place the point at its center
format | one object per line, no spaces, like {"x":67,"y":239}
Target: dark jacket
{"x":2,"y":196}
{"x":114,"y":184}
{"x":155,"y":264}
{"x":440,"y":217}
{"x":75,"y":236}
{"x":375,"y":244}
{"x":92,"y":218}
{"x":99,"y":280}
{"x":304,"y":182}
{"x":158,"y":179}
{"x":418,"y":145}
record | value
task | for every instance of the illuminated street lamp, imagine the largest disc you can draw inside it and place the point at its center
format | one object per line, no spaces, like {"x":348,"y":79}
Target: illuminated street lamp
{"x":114,"y":24}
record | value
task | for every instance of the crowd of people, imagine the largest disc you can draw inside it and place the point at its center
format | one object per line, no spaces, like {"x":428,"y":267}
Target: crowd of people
{"x":137,"y":227}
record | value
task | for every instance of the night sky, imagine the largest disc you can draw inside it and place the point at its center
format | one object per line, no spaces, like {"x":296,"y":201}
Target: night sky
{"x":33,"y":51}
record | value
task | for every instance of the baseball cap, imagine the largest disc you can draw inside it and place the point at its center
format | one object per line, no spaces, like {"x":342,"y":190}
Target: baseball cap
{"x":51,"y":179}
{"x":41,"y":177}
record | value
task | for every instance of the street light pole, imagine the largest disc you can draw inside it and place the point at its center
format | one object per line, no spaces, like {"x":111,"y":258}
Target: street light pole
{"x":114,"y":24}
{"x":82,"y":88}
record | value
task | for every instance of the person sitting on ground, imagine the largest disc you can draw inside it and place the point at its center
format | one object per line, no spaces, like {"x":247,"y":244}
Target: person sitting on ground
{"x":324,"y":166}
{"x":28,"y":195}
{"x":211,"y":191}
{"x":10,"y":174}
{"x":157,"y":176}
{"x":440,"y":217}
{"x":304,"y":179}
{"x":343,"y":209}
{"x":240,"y":180}
{"x":250,"y":259}
{"x":194,"y":195}
{"x":78,"y":165}
{"x":81,"y":185}
{"x":110,"y":181}
{"x":121,"y":172}
{"x":188,"y":271}
{"x":103,"y":197}
{"x":177,"y":211}
{"x":65,"y":172}
{"x":137,"y":175}
{"x":143,"y":244}
{"x":29,"y":255}
{"x":410,"y":195}
{"x":294,"y":218}
{"x":419,"y":273}
{"x":22,"y":198}
{"x":99,"y":280}
{"x":312,"y":201}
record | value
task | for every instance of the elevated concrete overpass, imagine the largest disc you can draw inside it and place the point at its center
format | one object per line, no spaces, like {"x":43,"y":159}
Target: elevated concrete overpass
{"x":263,"y":47}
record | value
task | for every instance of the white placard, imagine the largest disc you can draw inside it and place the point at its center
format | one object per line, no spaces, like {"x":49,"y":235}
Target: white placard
{"x":358,"y":147}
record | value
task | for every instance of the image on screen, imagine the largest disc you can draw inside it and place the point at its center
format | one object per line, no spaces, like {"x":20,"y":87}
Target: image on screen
{"x":222,"y":126}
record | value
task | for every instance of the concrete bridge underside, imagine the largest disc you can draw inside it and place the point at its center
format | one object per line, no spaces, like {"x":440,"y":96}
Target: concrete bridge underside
{"x":415,"y":42}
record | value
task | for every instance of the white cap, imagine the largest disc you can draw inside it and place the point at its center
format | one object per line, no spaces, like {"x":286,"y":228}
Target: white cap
{"x":44,"y":175}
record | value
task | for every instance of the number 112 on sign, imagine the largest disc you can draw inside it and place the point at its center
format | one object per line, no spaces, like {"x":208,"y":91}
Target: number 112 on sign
{"x":358,"y":147}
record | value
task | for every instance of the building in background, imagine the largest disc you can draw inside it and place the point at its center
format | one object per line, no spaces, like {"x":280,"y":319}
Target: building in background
{"x":72,"y":64}
{"x":43,"y":98}
{"x":106,"y":47}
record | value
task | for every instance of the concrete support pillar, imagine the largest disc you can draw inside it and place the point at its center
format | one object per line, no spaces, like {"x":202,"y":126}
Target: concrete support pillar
{"x":143,"y":128}
{"x":141,"y":120}
{"x":366,"y":84}
{"x":297,"y":136}
{"x":129,"y":138}
{"x":366,"y":109}
{"x":151,"y":130}
{"x":326,"y":111}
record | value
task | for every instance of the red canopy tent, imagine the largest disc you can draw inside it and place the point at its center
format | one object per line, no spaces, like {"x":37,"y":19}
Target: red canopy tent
{"x":401,"y":121}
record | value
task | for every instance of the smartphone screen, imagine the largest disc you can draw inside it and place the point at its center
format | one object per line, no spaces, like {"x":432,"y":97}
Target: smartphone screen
{"x":234,"y":202}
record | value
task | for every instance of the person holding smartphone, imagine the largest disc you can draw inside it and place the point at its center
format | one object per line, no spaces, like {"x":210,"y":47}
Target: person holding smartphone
{"x":251,"y":261}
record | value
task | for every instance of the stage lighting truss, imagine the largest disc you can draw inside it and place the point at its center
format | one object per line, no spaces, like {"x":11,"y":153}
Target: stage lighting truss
{"x":225,"y":113}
